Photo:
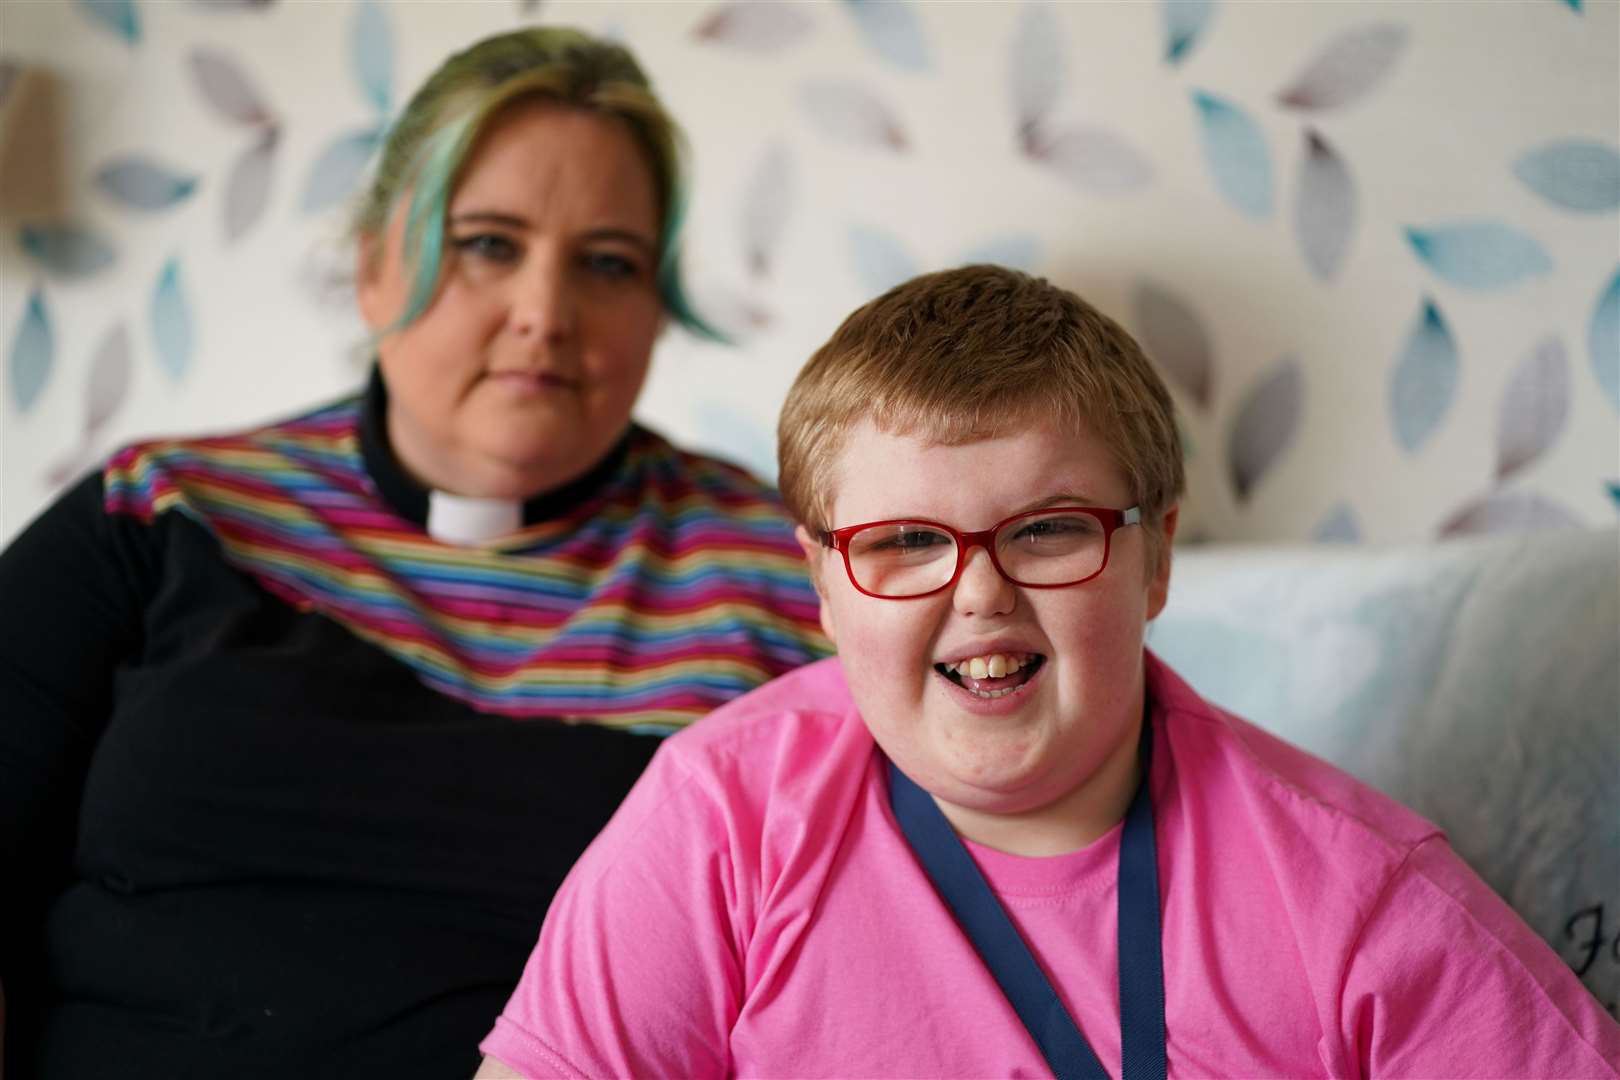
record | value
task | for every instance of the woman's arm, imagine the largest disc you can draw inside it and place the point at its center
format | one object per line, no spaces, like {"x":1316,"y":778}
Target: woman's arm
{"x":494,"y":1070}
{"x":72,"y":584}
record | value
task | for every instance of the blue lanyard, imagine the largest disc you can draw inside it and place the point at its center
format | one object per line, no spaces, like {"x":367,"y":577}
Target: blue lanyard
{"x":980,"y":914}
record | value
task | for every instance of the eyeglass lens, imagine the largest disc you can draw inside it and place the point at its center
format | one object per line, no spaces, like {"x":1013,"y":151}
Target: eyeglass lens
{"x":1043,"y":548}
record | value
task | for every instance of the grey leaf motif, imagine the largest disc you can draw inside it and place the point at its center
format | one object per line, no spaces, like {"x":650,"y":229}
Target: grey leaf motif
{"x":1534,"y":408}
{"x":10,"y":71}
{"x":247,"y":192}
{"x":1096,"y":161}
{"x":1508,"y":511}
{"x":1325,"y":210}
{"x":735,"y":314}
{"x":757,"y":27}
{"x":766,"y":206}
{"x":1265,"y":425}
{"x":850,"y":113}
{"x":227,"y":89}
{"x":109,"y":379}
{"x":1348,"y":68}
{"x":1174,"y":337}
{"x":1037,"y":66}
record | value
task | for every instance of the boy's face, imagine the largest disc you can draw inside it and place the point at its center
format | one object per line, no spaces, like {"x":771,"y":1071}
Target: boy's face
{"x":1078,"y":695}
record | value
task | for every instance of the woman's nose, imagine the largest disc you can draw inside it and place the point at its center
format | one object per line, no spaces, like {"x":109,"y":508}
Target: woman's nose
{"x":542,"y":304}
{"x":981,"y":590}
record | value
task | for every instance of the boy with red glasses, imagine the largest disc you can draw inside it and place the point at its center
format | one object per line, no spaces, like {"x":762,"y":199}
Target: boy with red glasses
{"x":995,"y":836}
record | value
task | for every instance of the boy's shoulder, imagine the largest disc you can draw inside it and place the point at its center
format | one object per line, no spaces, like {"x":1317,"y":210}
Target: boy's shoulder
{"x":1227,"y":760}
{"x":803,"y":721}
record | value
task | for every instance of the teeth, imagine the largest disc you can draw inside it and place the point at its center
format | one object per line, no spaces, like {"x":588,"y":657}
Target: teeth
{"x":991,"y":666}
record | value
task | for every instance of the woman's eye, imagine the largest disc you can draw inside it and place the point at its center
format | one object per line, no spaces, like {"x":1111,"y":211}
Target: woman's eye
{"x":488,"y":246}
{"x":609,"y":264}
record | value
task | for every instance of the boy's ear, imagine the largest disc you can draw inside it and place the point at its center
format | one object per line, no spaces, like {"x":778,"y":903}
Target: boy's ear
{"x":813,"y":552}
{"x":1159,"y":583}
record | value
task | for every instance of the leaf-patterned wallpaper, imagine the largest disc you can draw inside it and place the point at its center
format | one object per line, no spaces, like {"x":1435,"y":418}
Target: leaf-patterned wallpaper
{"x":1372,"y":246}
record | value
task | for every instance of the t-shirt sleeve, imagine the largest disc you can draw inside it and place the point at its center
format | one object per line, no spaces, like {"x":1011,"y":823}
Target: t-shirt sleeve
{"x":638,"y":969}
{"x":1447,"y":981}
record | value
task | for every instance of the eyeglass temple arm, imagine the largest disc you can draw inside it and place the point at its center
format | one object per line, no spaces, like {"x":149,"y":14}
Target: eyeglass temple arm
{"x":1133,"y":516}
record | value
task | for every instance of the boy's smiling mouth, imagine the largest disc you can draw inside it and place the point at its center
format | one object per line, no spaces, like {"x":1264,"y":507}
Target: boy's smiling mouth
{"x":993,"y":675}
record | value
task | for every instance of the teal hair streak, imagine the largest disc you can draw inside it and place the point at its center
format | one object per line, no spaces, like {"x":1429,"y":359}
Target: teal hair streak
{"x":670,"y":289}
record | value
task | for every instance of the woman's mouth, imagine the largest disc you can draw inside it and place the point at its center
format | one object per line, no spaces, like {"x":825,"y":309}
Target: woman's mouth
{"x":994,"y":675}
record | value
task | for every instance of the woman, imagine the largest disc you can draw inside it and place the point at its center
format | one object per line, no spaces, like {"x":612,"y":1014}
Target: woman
{"x":303,"y":726}
{"x":996,"y":836}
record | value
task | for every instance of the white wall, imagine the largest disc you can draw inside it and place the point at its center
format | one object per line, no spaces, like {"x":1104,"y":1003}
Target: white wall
{"x":1444,"y":101}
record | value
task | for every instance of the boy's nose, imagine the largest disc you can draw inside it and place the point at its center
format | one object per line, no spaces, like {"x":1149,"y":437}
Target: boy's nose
{"x":981,"y":590}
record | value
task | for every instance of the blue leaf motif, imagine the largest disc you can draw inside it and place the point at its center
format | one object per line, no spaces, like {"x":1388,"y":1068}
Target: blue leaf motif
{"x":1425,"y":379}
{"x":1325,"y":210}
{"x":144,"y":184}
{"x":337,"y":172}
{"x":32,"y":352}
{"x":171,"y":322}
{"x":1265,"y":424}
{"x":1614,"y":491}
{"x":371,"y":45}
{"x":1235,"y":150}
{"x":1574,"y":5}
{"x":1603,"y":340}
{"x":1339,"y":527}
{"x":68,"y":249}
{"x":892,"y":29}
{"x":120,"y":16}
{"x":1021,"y":251}
{"x":1184,"y":23}
{"x":1037,"y":67}
{"x":1577,"y":174}
{"x":1479,"y":254}
{"x":881,"y":260}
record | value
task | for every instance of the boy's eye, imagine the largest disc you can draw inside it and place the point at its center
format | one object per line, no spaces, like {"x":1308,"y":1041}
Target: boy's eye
{"x":490,"y":246}
{"x":901,"y":540}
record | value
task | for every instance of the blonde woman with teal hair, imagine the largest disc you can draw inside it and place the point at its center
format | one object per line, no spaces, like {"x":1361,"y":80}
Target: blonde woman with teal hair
{"x":305,"y":724}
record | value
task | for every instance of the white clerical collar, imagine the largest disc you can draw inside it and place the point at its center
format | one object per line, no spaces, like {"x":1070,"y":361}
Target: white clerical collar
{"x":461,"y":519}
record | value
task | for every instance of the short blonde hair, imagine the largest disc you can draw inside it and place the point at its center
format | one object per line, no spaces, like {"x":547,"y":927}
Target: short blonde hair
{"x":972,"y":353}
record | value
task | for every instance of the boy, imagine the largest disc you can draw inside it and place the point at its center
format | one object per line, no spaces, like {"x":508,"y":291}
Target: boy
{"x":995,"y":836}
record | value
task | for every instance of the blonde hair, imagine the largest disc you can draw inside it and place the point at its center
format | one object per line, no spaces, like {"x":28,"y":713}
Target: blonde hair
{"x":967,"y":354}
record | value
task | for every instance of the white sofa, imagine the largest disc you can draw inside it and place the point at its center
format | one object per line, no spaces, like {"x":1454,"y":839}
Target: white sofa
{"x":1477,"y":681}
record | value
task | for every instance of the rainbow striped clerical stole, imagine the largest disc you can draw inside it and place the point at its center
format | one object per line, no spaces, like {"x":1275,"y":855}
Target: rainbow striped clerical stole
{"x":671,"y":588}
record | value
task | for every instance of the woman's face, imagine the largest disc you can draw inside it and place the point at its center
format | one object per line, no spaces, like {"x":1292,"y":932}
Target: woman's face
{"x":522,"y":372}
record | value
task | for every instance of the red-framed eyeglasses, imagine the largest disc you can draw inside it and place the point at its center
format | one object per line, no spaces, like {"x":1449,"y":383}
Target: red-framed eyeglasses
{"x":908,"y":558}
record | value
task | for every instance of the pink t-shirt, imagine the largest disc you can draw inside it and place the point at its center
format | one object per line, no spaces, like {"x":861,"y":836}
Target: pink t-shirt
{"x":753,"y":910}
